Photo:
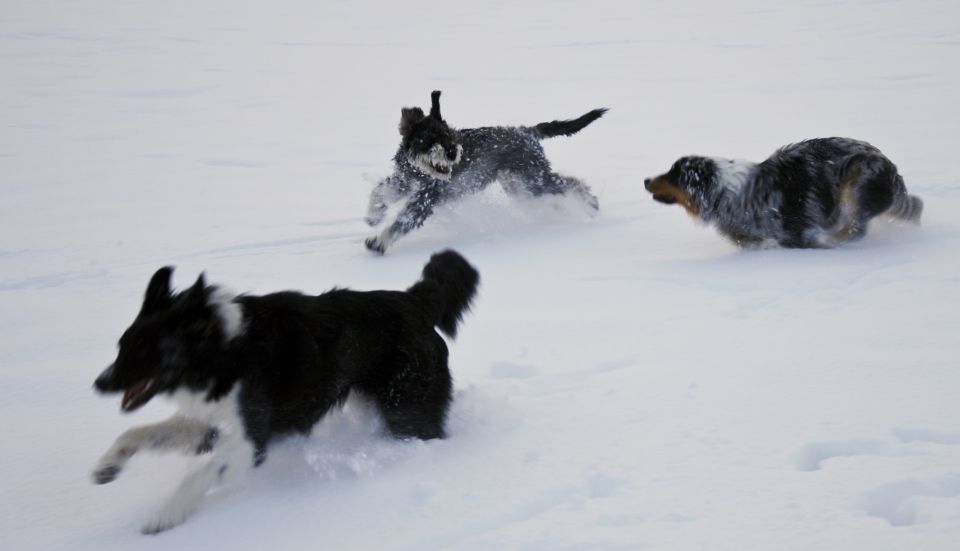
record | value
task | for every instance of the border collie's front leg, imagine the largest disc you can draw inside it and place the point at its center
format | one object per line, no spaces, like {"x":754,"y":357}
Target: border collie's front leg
{"x":175,"y":434}
{"x":233,"y":455}
{"x":414,"y":213}
{"x":390,"y":190}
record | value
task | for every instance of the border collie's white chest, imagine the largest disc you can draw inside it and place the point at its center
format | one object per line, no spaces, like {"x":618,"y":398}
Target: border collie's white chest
{"x":194,"y":405}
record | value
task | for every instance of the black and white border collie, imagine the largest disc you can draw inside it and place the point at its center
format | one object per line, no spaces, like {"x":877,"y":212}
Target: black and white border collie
{"x":436,"y":163}
{"x":246,"y":369}
{"x":817,"y":193}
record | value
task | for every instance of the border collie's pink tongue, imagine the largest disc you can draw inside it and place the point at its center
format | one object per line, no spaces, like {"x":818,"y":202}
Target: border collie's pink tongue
{"x":134,"y":396}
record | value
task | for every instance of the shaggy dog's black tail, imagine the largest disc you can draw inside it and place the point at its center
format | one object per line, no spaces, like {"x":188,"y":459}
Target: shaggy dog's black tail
{"x":568,"y":128}
{"x":449,"y":284}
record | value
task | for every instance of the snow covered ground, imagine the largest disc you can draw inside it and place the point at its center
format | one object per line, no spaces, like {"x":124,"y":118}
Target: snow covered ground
{"x":628,"y":382}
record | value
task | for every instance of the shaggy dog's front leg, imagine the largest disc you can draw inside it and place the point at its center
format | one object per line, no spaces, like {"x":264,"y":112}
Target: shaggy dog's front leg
{"x":233,"y":455}
{"x":390,"y":190}
{"x":413,"y":215}
{"x":175,"y":434}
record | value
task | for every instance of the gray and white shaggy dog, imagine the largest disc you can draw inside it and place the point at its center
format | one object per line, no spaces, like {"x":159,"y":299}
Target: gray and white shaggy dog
{"x":437,"y":163}
{"x":817,"y":193}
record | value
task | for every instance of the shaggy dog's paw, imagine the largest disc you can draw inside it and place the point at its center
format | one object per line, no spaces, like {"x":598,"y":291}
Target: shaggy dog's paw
{"x":591,"y":201}
{"x":375,"y":215}
{"x":376,"y":245}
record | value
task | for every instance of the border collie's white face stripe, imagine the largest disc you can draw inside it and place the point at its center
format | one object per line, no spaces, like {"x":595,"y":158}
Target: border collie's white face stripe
{"x":435,"y":162}
{"x":733,"y":173}
{"x":229,"y":312}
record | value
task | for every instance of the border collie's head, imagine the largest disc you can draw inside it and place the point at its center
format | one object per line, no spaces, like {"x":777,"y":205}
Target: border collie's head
{"x":173,"y":342}
{"x":429,"y":144}
{"x":686,"y":183}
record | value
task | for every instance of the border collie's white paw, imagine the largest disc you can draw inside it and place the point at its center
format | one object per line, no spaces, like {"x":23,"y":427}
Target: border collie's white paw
{"x":172,"y":514}
{"x":110,"y":465}
{"x":106,"y":473}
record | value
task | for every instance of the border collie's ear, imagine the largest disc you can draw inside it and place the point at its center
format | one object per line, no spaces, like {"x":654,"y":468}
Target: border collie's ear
{"x":408,"y":117}
{"x":197,"y":295}
{"x":435,"y":105}
{"x":158,"y":290}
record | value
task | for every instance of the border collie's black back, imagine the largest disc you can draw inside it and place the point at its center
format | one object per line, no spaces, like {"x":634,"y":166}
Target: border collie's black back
{"x":303,"y":355}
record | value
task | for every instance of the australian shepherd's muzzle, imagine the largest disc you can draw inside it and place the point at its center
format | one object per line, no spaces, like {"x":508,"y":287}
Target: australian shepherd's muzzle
{"x":816,"y":193}
{"x":247,"y":369}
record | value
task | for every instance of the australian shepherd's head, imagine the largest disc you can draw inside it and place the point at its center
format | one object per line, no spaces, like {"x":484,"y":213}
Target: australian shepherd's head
{"x":688,"y":182}
{"x":429,"y":144}
{"x":176,"y":341}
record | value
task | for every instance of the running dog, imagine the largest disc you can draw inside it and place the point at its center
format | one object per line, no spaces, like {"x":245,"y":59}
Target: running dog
{"x":436,"y":163}
{"x":247,"y":369}
{"x":818,"y":193}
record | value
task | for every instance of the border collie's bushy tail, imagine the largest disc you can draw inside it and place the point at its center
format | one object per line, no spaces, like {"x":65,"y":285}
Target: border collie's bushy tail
{"x":568,"y":128}
{"x":449,"y":283}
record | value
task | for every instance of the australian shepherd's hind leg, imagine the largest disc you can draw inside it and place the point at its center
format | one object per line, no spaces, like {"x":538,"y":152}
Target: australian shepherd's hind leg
{"x":868,"y":185}
{"x":182,"y":434}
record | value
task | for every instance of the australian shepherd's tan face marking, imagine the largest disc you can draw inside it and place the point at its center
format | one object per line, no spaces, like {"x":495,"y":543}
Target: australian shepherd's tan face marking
{"x":668,"y":193}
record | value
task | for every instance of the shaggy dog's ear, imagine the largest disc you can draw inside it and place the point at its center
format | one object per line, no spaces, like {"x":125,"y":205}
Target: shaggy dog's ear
{"x":408,"y":117}
{"x":158,"y":291}
{"x":435,"y":105}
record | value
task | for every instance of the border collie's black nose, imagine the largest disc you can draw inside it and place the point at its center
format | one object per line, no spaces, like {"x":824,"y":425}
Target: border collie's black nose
{"x":646,"y":183}
{"x":452,"y":154}
{"x":105,"y":382}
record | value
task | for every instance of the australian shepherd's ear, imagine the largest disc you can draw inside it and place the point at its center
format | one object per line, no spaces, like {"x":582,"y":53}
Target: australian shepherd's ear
{"x":408,"y":117}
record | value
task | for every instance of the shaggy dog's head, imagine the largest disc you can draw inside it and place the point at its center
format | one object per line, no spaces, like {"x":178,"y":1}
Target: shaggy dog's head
{"x":429,"y":144}
{"x":176,"y":341}
{"x":686,"y":183}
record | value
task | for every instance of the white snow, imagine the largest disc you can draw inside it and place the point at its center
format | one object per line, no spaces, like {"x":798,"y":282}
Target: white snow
{"x":625,"y":382}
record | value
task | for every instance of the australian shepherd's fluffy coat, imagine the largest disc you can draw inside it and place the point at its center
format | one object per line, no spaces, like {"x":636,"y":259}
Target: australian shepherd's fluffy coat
{"x":816,"y":193}
{"x":247,"y":369}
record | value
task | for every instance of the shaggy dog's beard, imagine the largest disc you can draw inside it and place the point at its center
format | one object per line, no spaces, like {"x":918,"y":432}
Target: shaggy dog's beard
{"x":435,"y":162}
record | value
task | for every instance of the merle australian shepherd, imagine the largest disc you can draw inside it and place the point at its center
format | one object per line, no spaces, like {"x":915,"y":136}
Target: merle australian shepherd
{"x":816,"y":193}
{"x":247,"y":369}
{"x":436,"y":163}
